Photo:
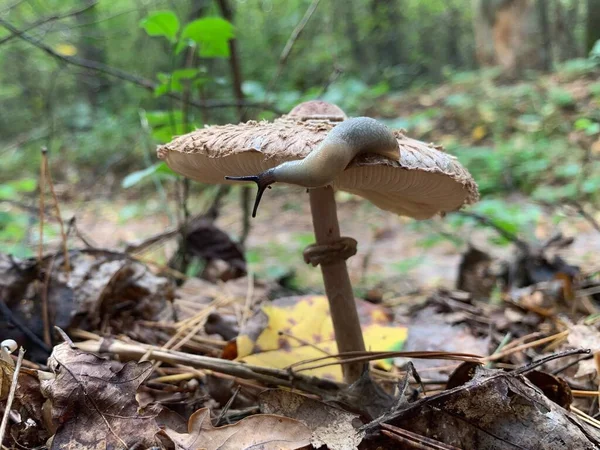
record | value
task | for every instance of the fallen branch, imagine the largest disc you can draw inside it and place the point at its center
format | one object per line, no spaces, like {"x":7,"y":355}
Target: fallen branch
{"x":268,"y":376}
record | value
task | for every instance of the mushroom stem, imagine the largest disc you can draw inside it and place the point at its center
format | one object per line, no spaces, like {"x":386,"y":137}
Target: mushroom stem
{"x":342,"y":306}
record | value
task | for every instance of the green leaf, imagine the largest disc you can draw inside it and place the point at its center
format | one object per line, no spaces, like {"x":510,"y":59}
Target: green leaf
{"x":161,"y":169}
{"x":172,"y":82}
{"x":161,"y":23}
{"x":14,"y":188}
{"x":210,"y":34}
{"x":162,"y":118}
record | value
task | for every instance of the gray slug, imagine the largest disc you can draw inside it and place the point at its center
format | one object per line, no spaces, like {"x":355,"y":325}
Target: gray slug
{"x":346,"y":140}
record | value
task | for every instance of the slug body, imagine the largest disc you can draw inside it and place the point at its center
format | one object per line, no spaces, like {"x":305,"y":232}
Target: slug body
{"x":343,"y":143}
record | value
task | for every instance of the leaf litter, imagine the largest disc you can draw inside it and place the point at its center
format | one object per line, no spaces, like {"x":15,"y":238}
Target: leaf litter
{"x":154,"y":355}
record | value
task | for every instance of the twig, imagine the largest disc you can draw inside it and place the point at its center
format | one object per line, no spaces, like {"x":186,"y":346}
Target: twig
{"x":587,"y":216}
{"x":42,"y":184}
{"x":524,"y":246}
{"x":73,"y":226}
{"x":421,"y":442}
{"x":57,"y":207}
{"x":126,"y":76}
{"x":228,"y":405}
{"x":531,"y":366}
{"x":518,"y":348}
{"x":365,"y":356}
{"x":52,"y":18}
{"x":269,"y":376}
{"x":11,"y":394}
{"x":45,"y":310}
{"x":290,"y":43}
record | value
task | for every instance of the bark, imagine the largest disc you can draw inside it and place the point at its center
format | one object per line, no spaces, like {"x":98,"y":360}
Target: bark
{"x":90,"y":48}
{"x":592,"y":24}
{"x":484,"y":36}
{"x":387,"y":43}
{"x":516,"y":31}
{"x":546,"y":38}
{"x":563,"y":36}
{"x":359,"y":53}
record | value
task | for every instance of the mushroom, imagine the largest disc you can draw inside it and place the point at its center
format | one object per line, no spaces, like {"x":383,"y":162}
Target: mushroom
{"x":316,"y":147}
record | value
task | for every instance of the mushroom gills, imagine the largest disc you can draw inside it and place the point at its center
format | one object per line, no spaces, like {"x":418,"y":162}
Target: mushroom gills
{"x":320,"y":168}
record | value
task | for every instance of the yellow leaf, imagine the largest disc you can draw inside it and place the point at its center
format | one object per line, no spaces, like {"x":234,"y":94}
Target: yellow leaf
{"x":66,"y":49}
{"x":478,"y":133}
{"x":300,"y":328}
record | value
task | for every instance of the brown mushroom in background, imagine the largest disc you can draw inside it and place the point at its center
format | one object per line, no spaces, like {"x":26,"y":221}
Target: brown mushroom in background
{"x":316,"y":147}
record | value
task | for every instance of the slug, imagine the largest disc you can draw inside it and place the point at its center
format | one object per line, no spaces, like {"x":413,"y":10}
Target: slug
{"x":346,"y":140}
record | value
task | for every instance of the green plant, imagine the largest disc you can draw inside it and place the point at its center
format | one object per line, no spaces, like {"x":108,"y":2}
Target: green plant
{"x":14,"y":224}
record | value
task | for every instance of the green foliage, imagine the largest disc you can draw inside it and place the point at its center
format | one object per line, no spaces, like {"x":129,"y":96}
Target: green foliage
{"x":14,"y":224}
{"x":161,"y":23}
{"x":158,"y":171}
{"x":586,"y":125}
{"x":211,"y":35}
{"x":561,"y":98}
{"x":13,"y":189}
{"x":405,"y":266}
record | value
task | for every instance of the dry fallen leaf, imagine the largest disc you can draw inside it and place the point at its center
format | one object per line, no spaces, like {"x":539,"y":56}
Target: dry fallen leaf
{"x":258,"y":432}
{"x":330,"y":426}
{"x":294,"y":329}
{"x":93,"y":402}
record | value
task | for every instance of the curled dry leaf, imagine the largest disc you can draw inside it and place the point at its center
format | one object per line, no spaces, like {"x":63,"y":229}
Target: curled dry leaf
{"x":93,"y":403}
{"x":497,"y":410}
{"x":258,"y":432}
{"x":330,"y":426}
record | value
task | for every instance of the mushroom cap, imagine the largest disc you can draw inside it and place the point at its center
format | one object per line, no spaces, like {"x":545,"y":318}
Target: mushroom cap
{"x":423,"y":182}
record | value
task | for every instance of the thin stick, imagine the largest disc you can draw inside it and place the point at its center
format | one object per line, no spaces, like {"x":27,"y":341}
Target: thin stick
{"x":585,"y":417}
{"x":42,"y":205}
{"x":518,"y":348}
{"x":290,"y":43}
{"x":63,"y":235}
{"x":45,"y":309}
{"x":11,"y":394}
{"x":264,"y":375}
{"x":580,"y":393}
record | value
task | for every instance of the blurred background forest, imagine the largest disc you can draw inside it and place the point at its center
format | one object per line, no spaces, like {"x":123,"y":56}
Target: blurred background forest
{"x":509,"y":86}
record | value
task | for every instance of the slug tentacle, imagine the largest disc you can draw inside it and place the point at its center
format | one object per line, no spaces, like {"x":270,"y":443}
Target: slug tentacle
{"x":263,"y":180}
{"x":334,"y":154}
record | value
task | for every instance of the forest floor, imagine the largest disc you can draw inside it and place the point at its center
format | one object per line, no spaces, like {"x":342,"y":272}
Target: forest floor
{"x":391,"y":250}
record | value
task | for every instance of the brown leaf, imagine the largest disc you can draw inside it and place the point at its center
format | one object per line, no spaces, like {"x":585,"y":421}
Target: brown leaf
{"x":93,"y":402}
{"x":261,"y":431}
{"x":330,"y":426}
{"x":497,"y":410}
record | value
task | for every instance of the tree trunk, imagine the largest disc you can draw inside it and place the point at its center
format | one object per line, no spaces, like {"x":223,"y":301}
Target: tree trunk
{"x":346,"y":7}
{"x":545,"y":36}
{"x":387,"y":43}
{"x":484,"y":35}
{"x":453,"y":54}
{"x":593,"y":24}
{"x":508,"y":33}
{"x":564,"y":24}
{"x":93,"y":84}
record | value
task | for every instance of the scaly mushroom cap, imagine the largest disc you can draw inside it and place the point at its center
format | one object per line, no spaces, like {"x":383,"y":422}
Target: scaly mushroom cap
{"x":425,"y":181}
